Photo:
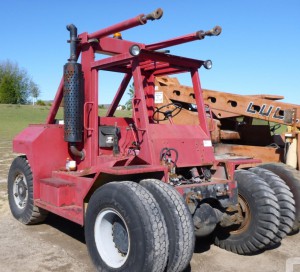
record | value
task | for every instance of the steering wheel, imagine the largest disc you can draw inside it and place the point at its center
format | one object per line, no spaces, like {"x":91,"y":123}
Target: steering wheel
{"x":169,"y":113}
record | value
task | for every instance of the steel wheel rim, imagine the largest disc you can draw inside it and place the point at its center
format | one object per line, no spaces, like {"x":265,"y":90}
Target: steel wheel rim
{"x":20,"y":191}
{"x":245,"y":211}
{"x":106,"y":245}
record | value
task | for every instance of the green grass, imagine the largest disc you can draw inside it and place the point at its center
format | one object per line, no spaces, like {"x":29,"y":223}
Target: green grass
{"x":14,"y":118}
{"x":121,"y":113}
{"x":281,"y":129}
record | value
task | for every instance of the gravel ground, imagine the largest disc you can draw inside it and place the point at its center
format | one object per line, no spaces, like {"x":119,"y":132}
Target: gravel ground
{"x":58,"y":244}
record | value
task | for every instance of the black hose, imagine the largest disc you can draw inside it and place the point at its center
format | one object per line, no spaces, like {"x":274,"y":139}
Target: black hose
{"x":73,"y":41}
{"x":74,"y":151}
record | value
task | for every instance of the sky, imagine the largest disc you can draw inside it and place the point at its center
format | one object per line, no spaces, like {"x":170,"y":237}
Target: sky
{"x":258,"y":51}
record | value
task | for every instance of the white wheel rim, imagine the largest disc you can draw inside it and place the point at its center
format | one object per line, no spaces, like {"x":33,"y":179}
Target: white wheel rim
{"x":20,"y":191}
{"x":104,"y":239}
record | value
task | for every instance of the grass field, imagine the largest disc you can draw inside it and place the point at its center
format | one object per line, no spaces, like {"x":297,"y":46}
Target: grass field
{"x":14,"y":118}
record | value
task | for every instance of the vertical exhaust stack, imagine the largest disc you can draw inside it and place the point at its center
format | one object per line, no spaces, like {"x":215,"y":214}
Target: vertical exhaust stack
{"x":73,"y":97}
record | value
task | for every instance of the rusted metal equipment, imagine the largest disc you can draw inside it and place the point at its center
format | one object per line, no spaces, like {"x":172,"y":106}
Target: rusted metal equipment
{"x":233,"y":130}
{"x":264,"y":107}
{"x":120,"y":177}
{"x":230,"y":108}
{"x":236,"y":114}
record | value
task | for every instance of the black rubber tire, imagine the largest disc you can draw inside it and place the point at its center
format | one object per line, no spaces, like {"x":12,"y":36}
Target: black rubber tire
{"x":263,"y":220}
{"x":291,"y":177}
{"x":29,"y":214}
{"x":146,"y":227}
{"x":285,"y":201}
{"x":179,"y":223}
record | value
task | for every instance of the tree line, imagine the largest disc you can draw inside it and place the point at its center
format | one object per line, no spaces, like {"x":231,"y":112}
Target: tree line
{"x":16,"y":86}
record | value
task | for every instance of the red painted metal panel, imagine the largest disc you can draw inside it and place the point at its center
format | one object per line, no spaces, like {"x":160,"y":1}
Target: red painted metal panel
{"x":57,"y":196}
{"x":45,"y":150}
{"x":192,"y":144}
{"x":73,"y":212}
{"x":81,"y":181}
{"x":114,"y":46}
{"x":187,"y":63}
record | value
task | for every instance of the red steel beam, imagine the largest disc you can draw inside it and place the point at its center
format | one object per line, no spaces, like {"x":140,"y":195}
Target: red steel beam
{"x":114,"y":61}
{"x":175,"y":41}
{"x":172,"y":59}
{"x":136,"y":21}
{"x":199,"y":35}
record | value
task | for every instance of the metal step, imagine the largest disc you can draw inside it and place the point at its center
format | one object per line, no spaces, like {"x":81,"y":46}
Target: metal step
{"x":57,"y":182}
{"x":72,"y":212}
{"x":57,"y":192}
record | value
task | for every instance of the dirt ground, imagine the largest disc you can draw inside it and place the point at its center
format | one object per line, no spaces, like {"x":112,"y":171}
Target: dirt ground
{"x":58,"y":244}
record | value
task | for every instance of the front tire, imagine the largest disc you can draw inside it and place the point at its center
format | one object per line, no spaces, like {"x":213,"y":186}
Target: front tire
{"x":179,"y":223}
{"x":125,"y":230}
{"x":20,"y":193}
{"x":260,"y":211}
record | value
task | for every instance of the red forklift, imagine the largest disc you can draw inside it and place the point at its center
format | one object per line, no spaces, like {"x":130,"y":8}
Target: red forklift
{"x":141,"y":188}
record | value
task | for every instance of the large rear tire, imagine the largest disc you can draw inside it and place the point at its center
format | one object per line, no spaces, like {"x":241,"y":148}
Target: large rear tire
{"x":260,"y":210}
{"x":291,"y":177}
{"x":285,"y":200}
{"x":179,"y":223}
{"x":20,"y":193}
{"x":125,"y":229}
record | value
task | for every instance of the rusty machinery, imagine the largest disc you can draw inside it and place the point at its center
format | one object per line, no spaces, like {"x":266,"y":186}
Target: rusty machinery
{"x":234,"y":128}
{"x":140,"y":188}
{"x":235,"y":131}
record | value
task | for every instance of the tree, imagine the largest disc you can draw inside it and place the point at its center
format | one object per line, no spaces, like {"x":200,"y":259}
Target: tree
{"x":128,"y":104}
{"x":15,"y":84}
{"x":34,"y":91}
